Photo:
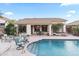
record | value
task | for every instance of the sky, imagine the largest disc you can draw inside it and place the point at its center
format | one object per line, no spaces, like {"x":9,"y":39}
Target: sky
{"x":18,"y":11}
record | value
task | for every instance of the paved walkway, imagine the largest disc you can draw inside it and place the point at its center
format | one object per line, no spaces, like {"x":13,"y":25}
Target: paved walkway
{"x":4,"y":46}
{"x":13,"y":52}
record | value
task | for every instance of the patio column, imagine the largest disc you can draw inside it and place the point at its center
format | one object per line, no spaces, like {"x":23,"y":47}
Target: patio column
{"x":16,"y":26}
{"x":33,"y":30}
{"x":64,"y":28}
{"x":28,"y":28}
{"x":61,"y":29}
{"x":49,"y":30}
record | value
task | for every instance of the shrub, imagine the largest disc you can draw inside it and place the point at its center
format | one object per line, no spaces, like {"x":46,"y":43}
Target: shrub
{"x":10,"y":29}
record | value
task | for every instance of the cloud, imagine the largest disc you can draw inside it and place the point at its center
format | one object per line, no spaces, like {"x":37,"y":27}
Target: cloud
{"x":70,"y":13}
{"x":65,"y":4}
{"x":69,"y":2}
{"x":8,"y":13}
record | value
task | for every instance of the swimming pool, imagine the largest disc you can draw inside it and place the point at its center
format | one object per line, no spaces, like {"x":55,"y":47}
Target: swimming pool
{"x":49,"y":47}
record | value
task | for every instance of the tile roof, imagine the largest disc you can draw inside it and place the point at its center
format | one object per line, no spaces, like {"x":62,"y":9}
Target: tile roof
{"x":74,"y":23}
{"x":39,"y":20}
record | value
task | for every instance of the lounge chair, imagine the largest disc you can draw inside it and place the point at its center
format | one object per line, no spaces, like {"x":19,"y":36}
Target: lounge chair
{"x":60,"y":34}
{"x":57,"y":34}
{"x":64,"y":34}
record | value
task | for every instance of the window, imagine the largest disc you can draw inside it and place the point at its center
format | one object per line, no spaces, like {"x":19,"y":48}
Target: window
{"x":37,"y":28}
{"x":22,"y":28}
{"x":44,"y":28}
{"x":2,"y":25}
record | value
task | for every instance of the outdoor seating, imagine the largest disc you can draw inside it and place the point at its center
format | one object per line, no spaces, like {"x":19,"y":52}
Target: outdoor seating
{"x":7,"y":38}
{"x":4,"y":37}
{"x":25,"y":36}
{"x":64,"y":34}
{"x":10,"y":38}
{"x":57,"y":34}
{"x":1,"y":34}
{"x":60,"y":34}
{"x":20,"y":42}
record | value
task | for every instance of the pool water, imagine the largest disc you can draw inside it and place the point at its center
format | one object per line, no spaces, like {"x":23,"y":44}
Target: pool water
{"x":48,"y":47}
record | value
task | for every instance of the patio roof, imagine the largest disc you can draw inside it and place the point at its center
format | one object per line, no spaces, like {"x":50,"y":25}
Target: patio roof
{"x":74,"y":23}
{"x":40,"y":21}
{"x":3,"y":19}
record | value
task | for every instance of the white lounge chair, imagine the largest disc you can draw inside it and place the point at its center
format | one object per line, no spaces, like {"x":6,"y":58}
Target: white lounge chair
{"x":57,"y":34}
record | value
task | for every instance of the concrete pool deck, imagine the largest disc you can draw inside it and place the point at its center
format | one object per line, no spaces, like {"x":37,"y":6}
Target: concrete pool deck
{"x":37,"y":38}
{"x":13,"y":52}
{"x":4,"y":47}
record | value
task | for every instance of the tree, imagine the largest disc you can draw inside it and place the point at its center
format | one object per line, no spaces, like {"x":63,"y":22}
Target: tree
{"x":10,"y":29}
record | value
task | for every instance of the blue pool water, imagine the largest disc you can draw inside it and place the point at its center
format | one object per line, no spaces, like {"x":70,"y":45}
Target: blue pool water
{"x":48,"y":47}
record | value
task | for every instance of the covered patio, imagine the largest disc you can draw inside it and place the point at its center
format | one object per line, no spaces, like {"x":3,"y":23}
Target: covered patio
{"x":39,"y":26}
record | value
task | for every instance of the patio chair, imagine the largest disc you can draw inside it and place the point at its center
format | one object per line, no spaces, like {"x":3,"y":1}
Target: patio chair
{"x":64,"y":34}
{"x":20,"y":43}
{"x":57,"y":34}
{"x":7,"y":38}
{"x":10,"y":38}
{"x":4,"y":37}
{"x":1,"y":34}
{"x":24,"y":37}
